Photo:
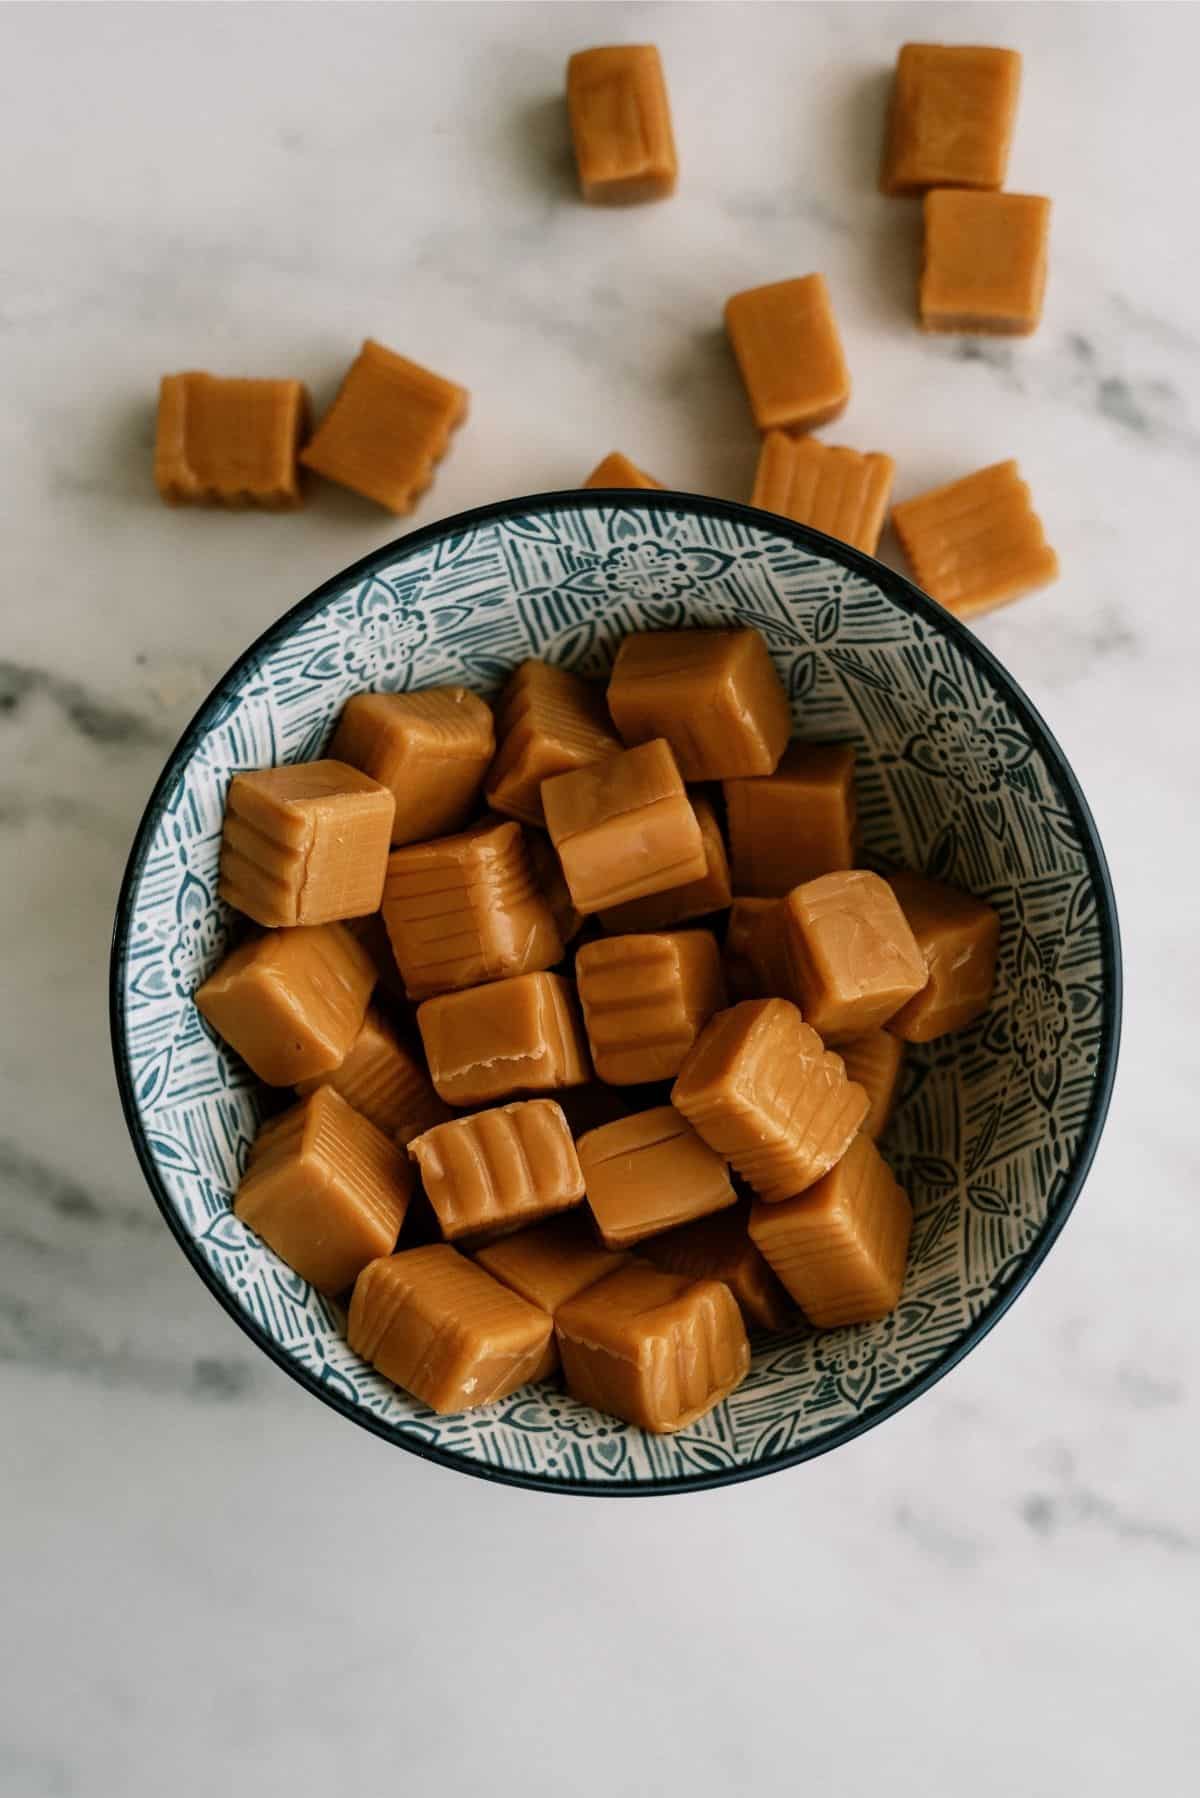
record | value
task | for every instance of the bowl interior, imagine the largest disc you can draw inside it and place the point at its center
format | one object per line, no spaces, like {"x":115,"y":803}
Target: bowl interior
{"x":994,"y":1128}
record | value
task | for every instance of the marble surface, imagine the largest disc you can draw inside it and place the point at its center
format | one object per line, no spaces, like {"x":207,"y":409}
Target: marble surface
{"x":212,"y":1583}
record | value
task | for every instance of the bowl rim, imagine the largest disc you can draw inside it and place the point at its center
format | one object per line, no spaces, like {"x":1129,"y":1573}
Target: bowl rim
{"x":902,"y":593}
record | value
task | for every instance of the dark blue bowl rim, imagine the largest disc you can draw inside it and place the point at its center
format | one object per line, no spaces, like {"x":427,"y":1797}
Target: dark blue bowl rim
{"x":908,"y":598}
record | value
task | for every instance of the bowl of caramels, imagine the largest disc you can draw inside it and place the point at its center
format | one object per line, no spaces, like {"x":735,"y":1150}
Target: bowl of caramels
{"x":617,"y":992}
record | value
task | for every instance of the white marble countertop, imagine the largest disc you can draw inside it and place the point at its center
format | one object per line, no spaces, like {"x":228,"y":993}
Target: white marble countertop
{"x":212,"y":1583}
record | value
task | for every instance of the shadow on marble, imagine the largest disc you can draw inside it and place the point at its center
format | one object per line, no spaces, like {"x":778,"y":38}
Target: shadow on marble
{"x":703,"y":372}
{"x":537,"y":141}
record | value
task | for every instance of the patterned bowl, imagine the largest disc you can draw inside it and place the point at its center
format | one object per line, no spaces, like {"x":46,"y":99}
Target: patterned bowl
{"x":958,"y":775}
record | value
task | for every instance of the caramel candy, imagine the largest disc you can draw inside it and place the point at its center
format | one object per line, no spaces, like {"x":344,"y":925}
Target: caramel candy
{"x":432,"y":1322}
{"x":464,"y":909}
{"x":984,"y":266}
{"x":229,"y":442}
{"x":618,"y":471}
{"x":515,"y":1036}
{"x":719,"y":1248}
{"x":694,"y":899}
{"x":550,"y":1263}
{"x":371,"y":932}
{"x":384,"y":1081}
{"x":292,"y":1002}
{"x":794,"y":824}
{"x":649,"y":1172}
{"x":841,"y":1247}
{"x":952,"y":115}
{"x":389,"y":423}
{"x":326,"y":1190}
{"x":621,"y":125}
{"x":976,"y":543}
{"x":874,"y":1062}
{"x":624,"y":828}
{"x":645,"y":1000}
{"x":305,"y":843}
{"x":431,"y":750}
{"x":762,"y":1091}
{"x":834,"y":490}
{"x":548,"y":721}
{"x":657,"y":1349}
{"x":788,"y":349}
{"x":854,"y":960}
{"x":500,"y":1168}
{"x":745,"y":972}
{"x":958,"y":936}
{"x":547,"y":871}
{"x":714,"y":696}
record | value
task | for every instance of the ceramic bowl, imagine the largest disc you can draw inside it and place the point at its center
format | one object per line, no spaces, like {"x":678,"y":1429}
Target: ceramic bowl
{"x":958,"y":776}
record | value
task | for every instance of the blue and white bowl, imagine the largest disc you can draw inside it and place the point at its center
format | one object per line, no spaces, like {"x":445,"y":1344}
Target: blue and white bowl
{"x":958,"y":776}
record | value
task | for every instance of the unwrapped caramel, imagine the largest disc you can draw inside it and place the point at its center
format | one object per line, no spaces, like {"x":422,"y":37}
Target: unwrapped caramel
{"x":874,"y":1062}
{"x":834,"y":490}
{"x":649,"y":1172}
{"x":714,"y":695}
{"x":390,"y":422}
{"x":755,"y":951}
{"x":854,"y":960}
{"x":548,"y":721}
{"x":499,"y":1169}
{"x":292,"y":1002}
{"x":794,"y":824}
{"x":229,"y":442}
{"x":788,"y":349}
{"x":515,"y":1036}
{"x":431,"y":751}
{"x":623,"y":828}
{"x":549,"y":1263}
{"x":621,"y":124}
{"x":984,"y":263}
{"x":958,"y":937}
{"x":382,"y":1078}
{"x":547,"y":872}
{"x":305,"y":843}
{"x":720,"y":1248}
{"x":617,"y":470}
{"x":952,"y":114}
{"x":695,"y":899}
{"x":645,"y":1000}
{"x":976,"y":543}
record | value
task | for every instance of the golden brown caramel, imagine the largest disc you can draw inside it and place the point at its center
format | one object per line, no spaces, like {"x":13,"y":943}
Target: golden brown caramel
{"x":624,"y":828}
{"x":795,"y":824}
{"x":305,"y":843}
{"x":292,"y":1002}
{"x":617,"y":470}
{"x":431,"y":751}
{"x":645,"y":999}
{"x":649,"y":1172}
{"x":548,"y":721}
{"x":755,"y":952}
{"x":788,"y":349}
{"x":621,"y":125}
{"x":834,"y":490}
{"x":958,"y":936}
{"x":390,"y":422}
{"x":976,"y":543}
{"x":515,"y":1036}
{"x":547,"y":872}
{"x":874,"y":1062}
{"x":549,"y":1263}
{"x":694,"y":899}
{"x":952,"y":114}
{"x":854,"y":960}
{"x":382,"y":1078}
{"x":230,"y":442}
{"x":719,"y":1248}
{"x":984,"y":264}
{"x":500,"y":1168}
{"x":714,"y":695}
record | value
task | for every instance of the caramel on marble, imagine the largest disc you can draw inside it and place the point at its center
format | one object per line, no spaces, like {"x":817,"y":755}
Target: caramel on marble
{"x":984,"y":264}
{"x":786,"y":342}
{"x":389,"y":423}
{"x":835,"y":490}
{"x":951,"y":120}
{"x":977,"y":542}
{"x":233,"y":443}
{"x":621,"y":125}
{"x":617,"y":470}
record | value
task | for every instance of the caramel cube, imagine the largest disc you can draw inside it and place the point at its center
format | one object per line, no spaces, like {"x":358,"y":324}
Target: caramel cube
{"x":648,"y":1173}
{"x":624,"y":828}
{"x":694,"y":899}
{"x":305,"y":843}
{"x":853,"y":958}
{"x":958,"y":936}
{"x":617,"y":470}
{"x":874,"y":1062}
{"x":384,"y":1081}
{"x":788,"y":349}
{"x":795,"y":824}
{"x":431,"y":750}
{"x":646,"y":999}
{"x":547,"y":871}
{"x":499,"y":1169}
{"x":432,"y":1322}
{"x":371,"y":932}
{"x":548,"y":721}
{"x":464,"y":909}
{"x":745,"y":973}
{"x":229,"y":442}
{"x":841,"y":1247}
{"x":621,"y":125}
{"x":326,"y":1190}
{"x":550,"y":1263}
{"x":976,"y":543}
{"x":390,"y":421}
{"x":714,"y":696}
{"x":984,"y":266}
{"x":952,"y":115}
{"x":657,"y":1349}
{"x":720,"y":1248}
{"x":834,"y":490}
{"x":516,"y":1036}
{"x":292,"y":1002}
{"x":761,"y":1089}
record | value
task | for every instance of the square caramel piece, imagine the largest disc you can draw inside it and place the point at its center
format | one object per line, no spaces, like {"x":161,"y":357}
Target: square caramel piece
{"x":548,"y":721}
{"x":952,"y":115}
{"x":621,"y":125}
{"x":795,"y":824}
{"x":291,"y":1003}
{"x":326,"y":1190}
{"x":694,"y":899}
{"x":617,"y":470}
{"x":853,"y":957}
{"x":649,"y":1172}
{"x":645,"y":1000}
{"x":389,"y":423}
{"x":431,"y":751}
{"x":657,"y":1349}
{"x":547,"y":872}
{"x":743,"y":969}
{"x":552,"y":1262}
{"x":762,"y":1090}
{"x":874,"y":1061}
{"x":714,"y":695}
{"x":976,"y":543}
{"x":984,"y":264}
{"x":787,"y":346}
{"x":383,"y":1079}
{"x":958,"y":936}
{"x":229,"y":442}
{"x":433,"y":1323}
{"x":835,"y":490}
{"x":841,"y":1247}
{"x":499,"y":1169}
{"x":465,"y":909}
{"x":306,"y":843}
{"x":720,"y":1248}
{"x":521,"y":1035}
{"x":624,"y":828}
